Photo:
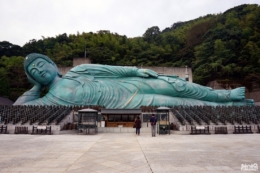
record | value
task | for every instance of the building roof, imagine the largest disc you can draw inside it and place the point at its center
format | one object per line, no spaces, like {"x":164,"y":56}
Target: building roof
{"x":163,"y":108}
{"x":5,"y":101}
{"x":121,"y":111}
{"x":87,"y":110}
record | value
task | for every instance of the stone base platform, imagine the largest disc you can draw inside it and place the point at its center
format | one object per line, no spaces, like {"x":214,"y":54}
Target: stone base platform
{"x":128,"y":153}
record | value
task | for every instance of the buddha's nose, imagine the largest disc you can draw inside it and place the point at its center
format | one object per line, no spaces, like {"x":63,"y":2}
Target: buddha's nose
{"x":40,"y":71}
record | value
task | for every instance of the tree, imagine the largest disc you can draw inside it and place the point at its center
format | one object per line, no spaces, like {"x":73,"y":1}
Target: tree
{"x":9,"y":49}
{"x":151,"y":34}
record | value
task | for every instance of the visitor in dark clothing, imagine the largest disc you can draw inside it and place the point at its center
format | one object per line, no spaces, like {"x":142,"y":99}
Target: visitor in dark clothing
{"x":138,"y":125}
{"x":153,"y":121}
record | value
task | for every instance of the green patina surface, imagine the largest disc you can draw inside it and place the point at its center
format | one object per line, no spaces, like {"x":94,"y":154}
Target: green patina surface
{"x":117,"y":87}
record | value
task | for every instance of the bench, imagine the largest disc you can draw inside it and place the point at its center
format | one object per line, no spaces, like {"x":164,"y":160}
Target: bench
{"x":87,"y":127}
{"x":41,"y":130}
{"x":242,"y":129}
{"x":21,"y":130}
{"x":3,"y":130}
{"x":70,"y":126}
{"x":221,"y":130}
{"x":195,"y":130}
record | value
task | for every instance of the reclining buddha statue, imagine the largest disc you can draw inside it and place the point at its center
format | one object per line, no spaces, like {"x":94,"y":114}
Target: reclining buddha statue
{"x":117,"y":87}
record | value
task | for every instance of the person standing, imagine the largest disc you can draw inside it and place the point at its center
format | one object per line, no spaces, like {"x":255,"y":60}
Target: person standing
{"x":153,"y":121}
{"x":138,"y":125}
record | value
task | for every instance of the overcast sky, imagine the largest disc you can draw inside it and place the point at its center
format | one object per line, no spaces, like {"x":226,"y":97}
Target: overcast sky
{"x":23,"y":20}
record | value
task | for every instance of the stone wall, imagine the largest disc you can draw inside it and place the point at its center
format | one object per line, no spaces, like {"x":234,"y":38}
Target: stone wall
{"x":215,"y":85}
{"x":78,"y":61}
{"x":256,"y":96}
{"x":64,"y":70}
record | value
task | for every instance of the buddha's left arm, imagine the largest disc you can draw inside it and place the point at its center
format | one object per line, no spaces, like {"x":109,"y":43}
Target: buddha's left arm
{"x":112,"y":71}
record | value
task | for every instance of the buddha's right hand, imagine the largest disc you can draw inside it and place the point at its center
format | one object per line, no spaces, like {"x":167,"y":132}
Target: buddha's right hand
{"x":36,"y":86}
{"x":146,"y":73}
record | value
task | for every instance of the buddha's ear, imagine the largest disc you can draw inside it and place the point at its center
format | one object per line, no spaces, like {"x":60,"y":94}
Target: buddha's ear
{"x":58,"y":72}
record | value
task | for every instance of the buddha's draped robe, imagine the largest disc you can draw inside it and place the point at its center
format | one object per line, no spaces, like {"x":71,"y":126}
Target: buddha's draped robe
{"x":119,"y":87}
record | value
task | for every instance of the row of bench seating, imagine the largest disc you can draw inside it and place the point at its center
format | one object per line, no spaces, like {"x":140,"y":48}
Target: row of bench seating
{"x":222,"y":130}
{"x":192,"y":115}
{"x":37,"y":115}
{"x":33,"y":114}
{"x":217,"y":115}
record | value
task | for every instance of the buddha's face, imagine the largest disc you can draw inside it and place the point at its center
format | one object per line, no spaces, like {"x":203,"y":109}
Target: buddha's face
{"x":42,"y":71}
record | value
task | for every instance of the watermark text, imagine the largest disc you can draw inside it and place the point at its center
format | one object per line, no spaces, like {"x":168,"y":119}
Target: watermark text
{"x":249,"y":167}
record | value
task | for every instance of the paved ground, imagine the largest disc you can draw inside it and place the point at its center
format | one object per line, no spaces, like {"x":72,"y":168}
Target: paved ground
{"x":125,"y":152}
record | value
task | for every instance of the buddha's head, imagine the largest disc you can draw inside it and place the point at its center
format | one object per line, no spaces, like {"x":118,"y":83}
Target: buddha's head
{"x":40,"y":69}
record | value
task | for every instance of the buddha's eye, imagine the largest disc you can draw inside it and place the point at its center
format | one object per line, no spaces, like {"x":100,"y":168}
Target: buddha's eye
{"x":33,"y":71}
{"x":40,"y":64}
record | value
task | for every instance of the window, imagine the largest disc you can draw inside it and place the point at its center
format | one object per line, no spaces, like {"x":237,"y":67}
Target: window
{"x":121,"y":118}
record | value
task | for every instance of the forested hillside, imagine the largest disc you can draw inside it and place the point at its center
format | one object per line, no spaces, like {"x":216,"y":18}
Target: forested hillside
{"x":216,"y":46}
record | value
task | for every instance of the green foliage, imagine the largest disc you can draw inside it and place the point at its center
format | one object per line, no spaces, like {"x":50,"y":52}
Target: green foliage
{"x":12,"y":77}
{"x":4,"y":89}
{"x":9,"y":49}
{"x":220,"y":46}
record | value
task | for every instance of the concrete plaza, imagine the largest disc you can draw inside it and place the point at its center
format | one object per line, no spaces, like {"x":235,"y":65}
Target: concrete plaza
{"x":126,"y":152}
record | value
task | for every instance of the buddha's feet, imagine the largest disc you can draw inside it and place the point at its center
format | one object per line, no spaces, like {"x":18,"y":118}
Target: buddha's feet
{"x":250,"y":102}
{"x":245,"y":102}
{"x":237,"y":94}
